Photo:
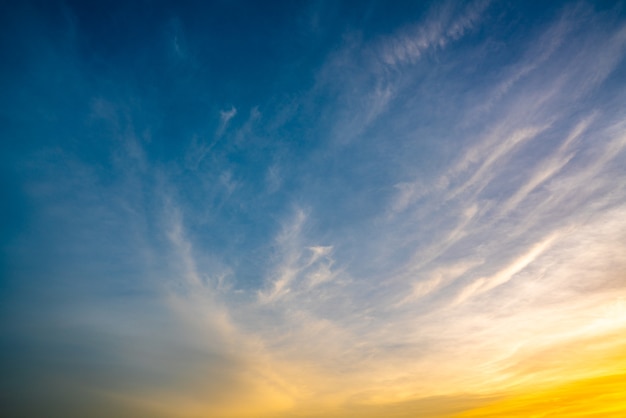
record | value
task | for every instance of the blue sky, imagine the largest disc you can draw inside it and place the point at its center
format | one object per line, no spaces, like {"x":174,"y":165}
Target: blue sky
{"x":243,"y":208}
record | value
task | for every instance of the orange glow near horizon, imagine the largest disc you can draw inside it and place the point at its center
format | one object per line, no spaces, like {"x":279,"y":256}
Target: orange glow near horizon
{"x":543,"y":390}
{"x":597,"y":397}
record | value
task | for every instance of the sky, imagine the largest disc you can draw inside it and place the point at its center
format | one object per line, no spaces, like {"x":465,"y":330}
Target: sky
{"x":281,"y":209}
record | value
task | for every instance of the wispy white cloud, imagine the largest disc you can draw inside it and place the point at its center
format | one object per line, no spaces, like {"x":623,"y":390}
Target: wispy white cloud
{"x":502,"y":146}
{"x":225,"y":118}
{"x":443,"y":25}
{"x":298,"y":267}
{"x":549,"y":167}
{"x":183,"y":249}
{"x":177,"y":39}
{"x":288,"y":245}
{"x":538,"y":53}
{"x":373,"y":70}
{"x":245,"y":132}
{"x":440,"y":277}
{"x":484,"y":284}
{"x":273,"y":178}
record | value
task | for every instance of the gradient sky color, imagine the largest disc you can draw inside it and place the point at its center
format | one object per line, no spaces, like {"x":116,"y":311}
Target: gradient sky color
{"x":290,"y":209}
